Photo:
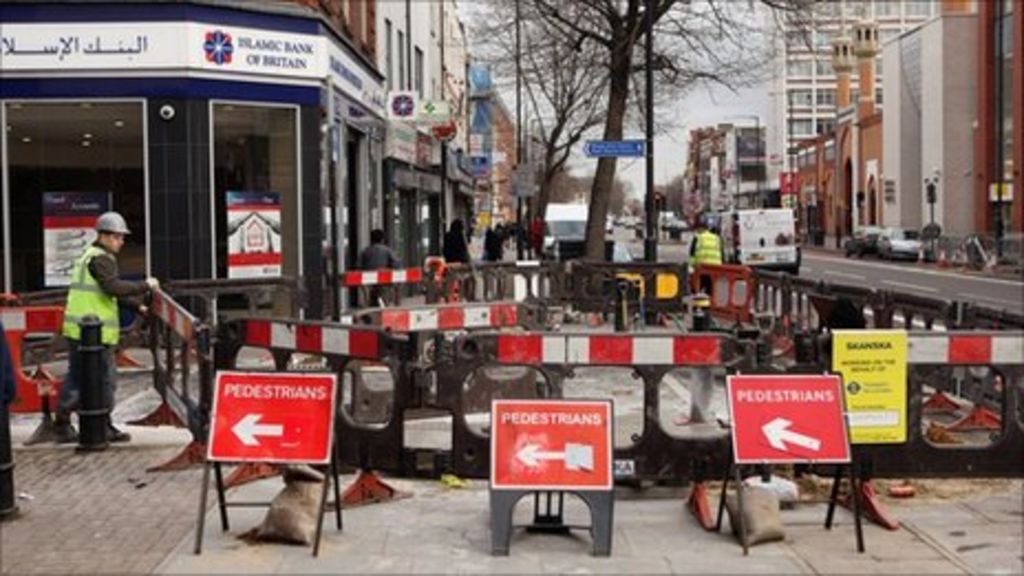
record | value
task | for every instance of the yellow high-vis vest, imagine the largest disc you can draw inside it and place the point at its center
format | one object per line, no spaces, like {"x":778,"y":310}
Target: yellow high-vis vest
{"x":85,"y":297}
{"x":709,"y":249}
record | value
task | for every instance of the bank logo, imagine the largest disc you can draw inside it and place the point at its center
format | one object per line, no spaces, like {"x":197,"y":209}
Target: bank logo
{"x":218,"y":47}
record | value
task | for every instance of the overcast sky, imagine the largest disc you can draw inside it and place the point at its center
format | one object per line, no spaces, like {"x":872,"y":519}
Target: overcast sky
{"x":703,"y":107}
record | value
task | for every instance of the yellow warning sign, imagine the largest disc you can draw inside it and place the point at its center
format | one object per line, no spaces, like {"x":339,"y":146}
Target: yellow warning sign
{"x":874,"y":368}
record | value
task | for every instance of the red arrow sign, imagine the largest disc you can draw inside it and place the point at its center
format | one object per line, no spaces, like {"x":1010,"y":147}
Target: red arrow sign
{"x":791,"y":418}
{"x":551,"y":444}
{"x":263,"y":417}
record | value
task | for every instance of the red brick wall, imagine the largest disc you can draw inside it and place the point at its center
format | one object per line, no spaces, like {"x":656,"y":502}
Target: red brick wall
{"x":360,"y":26}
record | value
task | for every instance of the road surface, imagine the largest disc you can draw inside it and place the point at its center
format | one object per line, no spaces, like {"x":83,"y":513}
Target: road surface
{"x":906,"y":277}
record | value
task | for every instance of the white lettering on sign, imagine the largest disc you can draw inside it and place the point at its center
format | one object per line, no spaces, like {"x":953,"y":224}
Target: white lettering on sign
{"x":551,"y":419}
{"x":785,"y":396}
{"x":275,"y":392}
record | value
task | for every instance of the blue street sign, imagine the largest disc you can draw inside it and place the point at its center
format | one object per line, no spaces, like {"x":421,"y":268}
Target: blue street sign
{"x":614,"y":148}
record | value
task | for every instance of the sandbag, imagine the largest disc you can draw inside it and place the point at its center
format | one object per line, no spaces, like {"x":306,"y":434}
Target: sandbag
{"x":760,"y":515}
{"x":294,"y":511}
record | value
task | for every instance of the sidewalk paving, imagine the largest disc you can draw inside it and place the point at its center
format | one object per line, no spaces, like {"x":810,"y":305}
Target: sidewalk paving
{"x":102,"y":513}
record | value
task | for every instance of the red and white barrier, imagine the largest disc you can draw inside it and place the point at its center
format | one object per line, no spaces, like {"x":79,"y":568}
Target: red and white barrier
{"x":610,"y":349}
{"x":175,"y":315}
{"x":966,"y":348}
{"x":19,"y":322}
{"x":450,"y":317}
{"x":314,"y":338}
{"x":382,"y":277}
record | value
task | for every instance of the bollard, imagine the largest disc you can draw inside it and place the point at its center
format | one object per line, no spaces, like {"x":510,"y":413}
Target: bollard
{"x":805,"y":347}
{"x":622,"y":320}
{"x":92,"y":411}
{"x":7,"y":505}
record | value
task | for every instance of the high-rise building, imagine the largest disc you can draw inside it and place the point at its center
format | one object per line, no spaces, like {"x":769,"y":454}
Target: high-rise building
{"x":804,"y":92}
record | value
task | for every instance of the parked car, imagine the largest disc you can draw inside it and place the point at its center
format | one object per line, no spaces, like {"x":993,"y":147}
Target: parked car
{"x":864,"y":241}
{"x":899,"y":243}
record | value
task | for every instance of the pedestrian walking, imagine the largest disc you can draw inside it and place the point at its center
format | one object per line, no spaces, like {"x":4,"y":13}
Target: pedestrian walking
{"x":494,"y":244}
{"x":455,"y":247}
{"x":96,"y":290}
{"x":379,"y":256}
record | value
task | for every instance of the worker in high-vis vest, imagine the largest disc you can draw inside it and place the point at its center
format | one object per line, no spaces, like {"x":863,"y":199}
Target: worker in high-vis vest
{"x":705,"y":248}
{"x":95,"y":290}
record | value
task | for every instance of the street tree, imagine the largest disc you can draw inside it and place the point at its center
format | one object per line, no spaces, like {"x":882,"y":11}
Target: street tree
{"x":563,"y":86}
{"x":722,"y":42}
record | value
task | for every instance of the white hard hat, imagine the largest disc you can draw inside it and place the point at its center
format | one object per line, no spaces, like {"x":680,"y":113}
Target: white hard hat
{"x":112,"y":222}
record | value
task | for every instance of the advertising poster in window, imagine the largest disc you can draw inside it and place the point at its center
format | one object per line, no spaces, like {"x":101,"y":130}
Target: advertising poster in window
{"x":69,"y":219}
{"x":254,"y":234}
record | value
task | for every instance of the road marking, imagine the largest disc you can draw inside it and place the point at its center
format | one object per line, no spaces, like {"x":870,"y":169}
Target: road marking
{"x":846,"y":275}
{"x":990,"y":299}
{"x":911,"y":286}
{"x":912,"y":270}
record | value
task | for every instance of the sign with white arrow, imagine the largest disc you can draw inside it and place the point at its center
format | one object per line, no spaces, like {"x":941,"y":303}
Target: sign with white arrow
{"x":271,"y":417}
{"x":575,"y":456}
{"x":551,"y":444}
{"x":788,"y":418}
{"x":249,"y":428}
{"x":778,"y":434}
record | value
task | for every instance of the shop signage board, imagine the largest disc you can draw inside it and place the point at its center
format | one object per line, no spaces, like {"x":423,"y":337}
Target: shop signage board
{"x":789,"y":418}
{"x":258,"y":55}
{"x":254,"y":234}
{"x":272,"y":417}
{"x":551,"y":445}
{"x":433,"y":111}
{"x":873,"y":364}
{"x":69,"y":220}
{"x":401,"y":142}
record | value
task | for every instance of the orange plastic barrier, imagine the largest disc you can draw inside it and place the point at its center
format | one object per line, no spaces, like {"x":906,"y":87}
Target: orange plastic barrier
{"x":733,"y":288}
{"x":19,"y":322}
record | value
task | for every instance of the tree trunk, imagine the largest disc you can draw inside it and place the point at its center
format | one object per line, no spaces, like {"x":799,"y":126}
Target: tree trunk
{"x":618,"y":93}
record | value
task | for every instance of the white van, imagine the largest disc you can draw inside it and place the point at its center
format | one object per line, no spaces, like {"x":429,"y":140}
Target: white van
{"x":765,"y":238}
{"x":565,"y":230}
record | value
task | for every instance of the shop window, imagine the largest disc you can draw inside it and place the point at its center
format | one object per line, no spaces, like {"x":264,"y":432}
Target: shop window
{"x":255,"y":191}
{"x":79,"y":159}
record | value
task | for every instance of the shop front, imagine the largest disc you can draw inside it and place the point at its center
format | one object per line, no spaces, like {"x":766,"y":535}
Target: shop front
{"x":201,"y":125}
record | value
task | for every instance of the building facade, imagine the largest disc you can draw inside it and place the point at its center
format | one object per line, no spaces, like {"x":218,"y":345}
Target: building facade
{"x":239,"y":139}
{"x":726,"y":167}
{"x":804,"y":93}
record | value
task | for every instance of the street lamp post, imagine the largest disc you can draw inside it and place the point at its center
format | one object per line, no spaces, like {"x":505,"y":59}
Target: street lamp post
{"x":932,"y":231}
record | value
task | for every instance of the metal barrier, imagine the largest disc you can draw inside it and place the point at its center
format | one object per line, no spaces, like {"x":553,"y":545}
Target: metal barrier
{"x":654,"y":454}
{"x":493,"y":281}
{"x":588,"y":285}
{"x":254,"y":291}
{"x":368,"y":282}
{"x":345,"y":349}
{"x":445,"y":317}
{"x":20,"y":322}
{"x":186,"y":397}
{"x":996,"y":359}
{"x":733,"y":289}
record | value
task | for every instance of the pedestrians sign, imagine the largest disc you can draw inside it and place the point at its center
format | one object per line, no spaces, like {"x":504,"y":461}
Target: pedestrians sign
{"x":614,"y":148}
{"x":874,"y":368}
{"x":551,"y":445}
{"x":272,"y":417}
{"x":791,"y":418}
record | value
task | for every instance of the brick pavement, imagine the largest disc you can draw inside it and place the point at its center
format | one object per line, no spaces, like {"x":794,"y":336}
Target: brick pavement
{"x":96,"y":513}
